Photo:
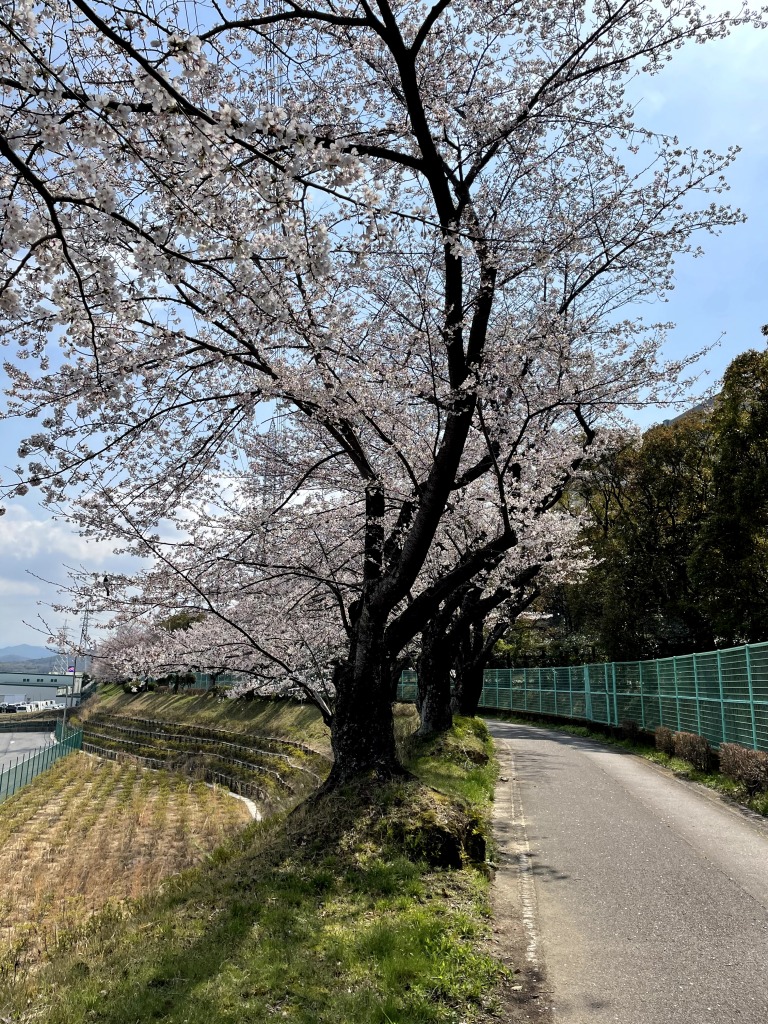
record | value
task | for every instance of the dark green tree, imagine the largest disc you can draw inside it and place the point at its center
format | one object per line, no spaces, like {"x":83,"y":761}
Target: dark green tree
{"x":646,"y":504}
{"x":729,"y":566}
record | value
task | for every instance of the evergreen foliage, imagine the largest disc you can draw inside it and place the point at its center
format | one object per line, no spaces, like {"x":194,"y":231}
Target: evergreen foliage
{"x":678,"y":524}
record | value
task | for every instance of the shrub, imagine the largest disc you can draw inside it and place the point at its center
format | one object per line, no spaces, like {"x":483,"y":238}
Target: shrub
{"x":695,"y":749}
{"x":745,"y":765}
{"x":665,"y":740}
{"x":630,"y":730}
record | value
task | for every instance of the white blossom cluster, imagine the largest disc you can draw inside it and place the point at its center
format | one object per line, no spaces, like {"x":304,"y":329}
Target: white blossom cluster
{"x":408,"y":231}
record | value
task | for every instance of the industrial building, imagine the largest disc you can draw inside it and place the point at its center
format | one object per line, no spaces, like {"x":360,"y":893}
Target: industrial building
{"x":41,"y":686}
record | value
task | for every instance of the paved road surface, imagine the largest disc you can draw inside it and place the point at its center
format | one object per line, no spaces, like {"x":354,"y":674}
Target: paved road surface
{"x":20,"y":744}
{"x":650,"y":898}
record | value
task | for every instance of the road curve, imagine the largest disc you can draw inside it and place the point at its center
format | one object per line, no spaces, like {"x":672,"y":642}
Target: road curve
{"x":647,"y":899}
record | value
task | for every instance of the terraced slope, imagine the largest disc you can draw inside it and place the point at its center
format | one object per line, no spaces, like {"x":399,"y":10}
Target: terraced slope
{"x":269,"y":717}
{"x":269,"y":769}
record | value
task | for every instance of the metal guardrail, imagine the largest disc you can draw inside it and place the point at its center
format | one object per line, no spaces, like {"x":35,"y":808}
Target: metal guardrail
{"x":722,"y":695}
{"x":25,"y":769}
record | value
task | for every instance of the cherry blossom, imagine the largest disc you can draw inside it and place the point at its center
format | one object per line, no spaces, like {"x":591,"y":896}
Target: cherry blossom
{"x":409,"y":231}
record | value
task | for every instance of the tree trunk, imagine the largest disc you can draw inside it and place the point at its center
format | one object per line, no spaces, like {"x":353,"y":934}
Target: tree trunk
{"x":434,"y":672}
{"x":468,"y":687}
{"x":362,"y":731}
{"x":469,"y":670}
{"x":472,"y":653}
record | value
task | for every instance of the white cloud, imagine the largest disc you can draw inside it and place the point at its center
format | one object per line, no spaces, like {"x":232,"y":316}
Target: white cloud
{"x":18,"y":588}
{"x":25,"y":536}
{"x":35,"y":550}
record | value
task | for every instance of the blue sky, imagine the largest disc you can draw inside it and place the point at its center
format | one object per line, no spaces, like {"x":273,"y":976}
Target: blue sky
{"x":714,"y":96}
{"x":710,"y":96}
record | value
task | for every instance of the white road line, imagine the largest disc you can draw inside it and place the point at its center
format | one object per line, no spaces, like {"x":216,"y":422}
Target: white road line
{"x":525,"y":870}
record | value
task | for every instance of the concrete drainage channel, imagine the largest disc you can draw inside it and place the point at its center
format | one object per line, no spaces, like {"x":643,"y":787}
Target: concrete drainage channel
{"x":253,"y":810}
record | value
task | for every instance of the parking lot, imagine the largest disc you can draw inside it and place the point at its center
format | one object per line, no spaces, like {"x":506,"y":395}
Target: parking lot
{"x":20,"y":744}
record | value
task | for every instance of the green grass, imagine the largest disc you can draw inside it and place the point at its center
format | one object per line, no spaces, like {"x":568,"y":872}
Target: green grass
{"x":460,"y":764}
{"x":712,"y":780}
{"x":338,"y":913}
{"x":285,"y":718}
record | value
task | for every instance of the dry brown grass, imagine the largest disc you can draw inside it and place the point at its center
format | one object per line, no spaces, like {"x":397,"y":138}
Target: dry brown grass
{"x":90,"y":834}
{"x":285,"y":718}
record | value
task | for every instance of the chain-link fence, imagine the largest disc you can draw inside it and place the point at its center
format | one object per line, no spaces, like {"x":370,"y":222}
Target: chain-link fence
{"x":17,"y":775}
{"x":722,"y":695}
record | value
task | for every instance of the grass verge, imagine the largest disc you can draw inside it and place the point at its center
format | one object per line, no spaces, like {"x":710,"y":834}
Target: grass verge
{"x":683,"y":769}
{"x":90,"y":834}
{"x":369,"y":905}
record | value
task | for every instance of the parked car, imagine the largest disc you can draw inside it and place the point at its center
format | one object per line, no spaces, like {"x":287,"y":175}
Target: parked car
{"x":13,"y":700}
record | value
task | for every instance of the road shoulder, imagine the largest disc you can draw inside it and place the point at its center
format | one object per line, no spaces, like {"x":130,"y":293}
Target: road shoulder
{"x":524,"y":996}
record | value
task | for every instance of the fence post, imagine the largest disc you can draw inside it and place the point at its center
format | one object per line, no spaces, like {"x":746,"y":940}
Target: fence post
{"x":540,"y":708}
{"x":587,"y":695}
{"x":642,"y":695}
{"x":751,"y":695}
{"x":615,"y":702}
{"x":554,"y":678}
{"x":722,"y":697}
{"x":677,"y":692}
{"x":696,"y":691}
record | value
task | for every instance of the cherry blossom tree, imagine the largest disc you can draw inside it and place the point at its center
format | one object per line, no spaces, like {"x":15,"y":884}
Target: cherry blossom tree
{"x":266,"y":602}
{"x":458,"y":636}
{"x":409,"y":229}
{"x":271,"y":603}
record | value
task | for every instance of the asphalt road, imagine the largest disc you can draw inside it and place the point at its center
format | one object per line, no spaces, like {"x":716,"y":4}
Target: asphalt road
{"x":648,"y":899}
{"x":20,"y":744}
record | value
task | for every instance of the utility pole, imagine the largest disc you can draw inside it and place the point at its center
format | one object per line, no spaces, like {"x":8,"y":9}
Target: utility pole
{"x":80,"y":648}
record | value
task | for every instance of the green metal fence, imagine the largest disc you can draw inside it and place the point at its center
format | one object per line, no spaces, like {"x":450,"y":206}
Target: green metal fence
{"x":27,"y":768}
{"x":722,"y":695}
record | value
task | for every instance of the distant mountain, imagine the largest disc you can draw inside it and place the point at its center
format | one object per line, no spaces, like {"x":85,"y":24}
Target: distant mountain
{"x":24,"y":652}
{"x":42,"y":666}
{"x":706,"y":406}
